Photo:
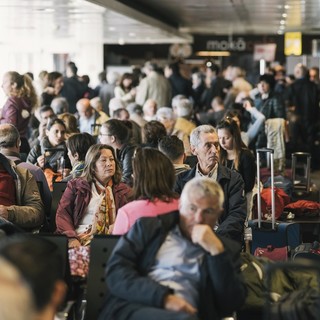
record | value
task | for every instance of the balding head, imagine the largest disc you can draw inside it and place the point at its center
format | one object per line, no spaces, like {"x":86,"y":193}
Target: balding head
{"x":84,"y":108}
{"x":9,"y":137}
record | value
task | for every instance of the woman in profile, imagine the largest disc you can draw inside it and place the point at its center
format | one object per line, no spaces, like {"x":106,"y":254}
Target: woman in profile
{"x":90,"y":203}
{"x":153,"y":182}
{"x":21,"y":102}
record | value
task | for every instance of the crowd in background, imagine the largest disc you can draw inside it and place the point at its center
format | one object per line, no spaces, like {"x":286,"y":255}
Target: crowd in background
{"x":130,"y":144}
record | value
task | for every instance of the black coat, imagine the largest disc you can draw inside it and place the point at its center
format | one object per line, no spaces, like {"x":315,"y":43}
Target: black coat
{"x":221,"y":290}
{"x":231,"y":222}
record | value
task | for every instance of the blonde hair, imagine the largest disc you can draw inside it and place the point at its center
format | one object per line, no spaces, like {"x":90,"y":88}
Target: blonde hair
{"x":24,"y":87}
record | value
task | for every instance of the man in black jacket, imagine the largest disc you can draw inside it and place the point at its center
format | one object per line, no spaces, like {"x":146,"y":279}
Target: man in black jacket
{"x":204,"y":144}
{"x":174,"y":266}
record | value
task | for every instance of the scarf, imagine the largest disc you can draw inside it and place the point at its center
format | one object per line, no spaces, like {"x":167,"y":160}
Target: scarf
{"x":104,"y":217}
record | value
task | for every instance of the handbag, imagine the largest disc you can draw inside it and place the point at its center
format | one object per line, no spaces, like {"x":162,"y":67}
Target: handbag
{"x":272,"y":253}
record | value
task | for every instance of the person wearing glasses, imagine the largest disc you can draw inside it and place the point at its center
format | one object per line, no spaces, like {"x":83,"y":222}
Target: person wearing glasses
{"x":205,"y":146}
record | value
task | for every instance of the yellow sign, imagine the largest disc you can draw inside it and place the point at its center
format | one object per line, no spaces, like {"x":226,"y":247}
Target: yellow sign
{"x":292,"y":43}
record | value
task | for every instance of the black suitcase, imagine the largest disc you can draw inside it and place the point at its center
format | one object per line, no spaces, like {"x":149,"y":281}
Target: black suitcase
{"x":264,"y":233}
{"x":303,"y":189}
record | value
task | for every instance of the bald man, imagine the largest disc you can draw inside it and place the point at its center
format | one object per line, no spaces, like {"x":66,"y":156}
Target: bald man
{"x":88,"y":118}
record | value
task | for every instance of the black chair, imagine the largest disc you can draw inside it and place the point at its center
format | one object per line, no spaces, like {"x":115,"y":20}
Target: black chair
{"x":68,"y":309}
{"x":58,"y":189}
{"x":100,"y":250}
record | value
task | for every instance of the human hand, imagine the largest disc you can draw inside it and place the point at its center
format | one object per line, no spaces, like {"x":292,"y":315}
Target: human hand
{"x":4,"y":212}
{"x":40,"y":161}
{"x":175,"y":303}
{"x":247,"y":105}
{"x":73,"y":243}
{"x":204,"y":236}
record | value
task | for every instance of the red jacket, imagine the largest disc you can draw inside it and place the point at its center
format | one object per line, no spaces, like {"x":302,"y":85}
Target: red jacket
{"x":75,"y":200}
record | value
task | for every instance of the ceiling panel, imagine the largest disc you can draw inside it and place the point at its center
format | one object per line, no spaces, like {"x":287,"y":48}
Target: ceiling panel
{"x":153,"y":21}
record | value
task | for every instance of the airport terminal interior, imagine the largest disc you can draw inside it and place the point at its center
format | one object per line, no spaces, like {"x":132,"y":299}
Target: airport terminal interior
{"x":159,"y":159}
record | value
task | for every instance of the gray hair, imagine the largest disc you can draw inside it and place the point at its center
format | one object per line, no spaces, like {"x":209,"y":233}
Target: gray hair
{"x":59,"y":105}
{"x":203,"y":187}
{"x":175,"y":100}
{"x":195,"y":133}
{"x":113,"y":77}
{"x":166,"y":113}
{"x":184,"y":108}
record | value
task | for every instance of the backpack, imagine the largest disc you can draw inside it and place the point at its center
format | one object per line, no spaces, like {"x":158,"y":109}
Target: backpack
{"x":7,"y":188}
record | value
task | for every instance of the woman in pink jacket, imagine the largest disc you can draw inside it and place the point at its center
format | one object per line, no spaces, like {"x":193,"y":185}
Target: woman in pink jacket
{"x":153,"y":182}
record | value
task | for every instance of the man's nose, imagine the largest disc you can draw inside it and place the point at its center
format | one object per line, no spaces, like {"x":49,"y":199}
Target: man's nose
{"x":198,"y":217}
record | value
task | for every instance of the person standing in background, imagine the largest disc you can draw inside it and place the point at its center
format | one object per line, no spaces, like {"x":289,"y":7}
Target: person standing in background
{"x":22,"y":100}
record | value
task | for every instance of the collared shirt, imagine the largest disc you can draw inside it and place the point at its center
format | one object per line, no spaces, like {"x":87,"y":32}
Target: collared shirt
{"x":85,"y":123}
{"x":177,"y":266}
{"x":213,"y":174}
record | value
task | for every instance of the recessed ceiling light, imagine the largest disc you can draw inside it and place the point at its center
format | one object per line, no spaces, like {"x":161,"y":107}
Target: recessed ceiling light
{"x":284,"y":15}
{"x":282,"y":22}
{"x":132,"y":34}
{"x":121,"y":41}
{"x":286,"y":7}
{"x":112,"y":28}
{"x":280,"y":32}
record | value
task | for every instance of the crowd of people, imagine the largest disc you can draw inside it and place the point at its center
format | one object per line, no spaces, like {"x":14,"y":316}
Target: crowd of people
{"x":161,"y":156}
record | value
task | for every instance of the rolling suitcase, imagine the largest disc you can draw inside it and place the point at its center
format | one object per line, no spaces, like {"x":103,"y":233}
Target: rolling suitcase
{"x":272,"y":233}
{"x":303,"y":189}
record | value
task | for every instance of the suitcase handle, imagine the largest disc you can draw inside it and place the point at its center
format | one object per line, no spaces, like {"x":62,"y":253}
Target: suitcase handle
{"x":265,"y":150}
{"x":294,"y":157}
{"x":273,"y":209}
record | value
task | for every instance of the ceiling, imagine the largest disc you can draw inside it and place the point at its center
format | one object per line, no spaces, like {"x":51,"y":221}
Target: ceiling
{"x":154,"y":21}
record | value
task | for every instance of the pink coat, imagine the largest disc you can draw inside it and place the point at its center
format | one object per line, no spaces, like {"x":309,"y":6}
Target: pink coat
{"x":129,"y":213}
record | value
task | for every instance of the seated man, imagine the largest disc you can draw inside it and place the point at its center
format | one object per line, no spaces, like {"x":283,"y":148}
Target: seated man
{"x":10,"y":147}
{"x":173,"y":148}
{"x":88,"y":118}
{"x":20,"y":201}
{"x":38,"y":265}
{"x":205,"y":145}
{"x":174,"y":266}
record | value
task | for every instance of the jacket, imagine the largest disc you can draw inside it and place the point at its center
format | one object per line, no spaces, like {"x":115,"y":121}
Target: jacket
{"x":17,"y":111}
{"x":154,"y":86}
{"x":52,"y":157}
{"x":221,"y":288}
{"x":75,"y":200}
{"x":231,"y":222}
{"x":124,"y":156}
{"x":28,"y":213}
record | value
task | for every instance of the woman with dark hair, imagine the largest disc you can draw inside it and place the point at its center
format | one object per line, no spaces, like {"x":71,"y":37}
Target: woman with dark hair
{"x":21,"y":102}
{"x":153,"y":182}
{"x":90,"y":203}
{"x":41,"y":154}
{"x":78,"y":145}
{"x":153,"y":132}
{"x":125,"y":90}
{"x":234,"y":154}
{"x":53,"y":88}
{"x":115,"y":133}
